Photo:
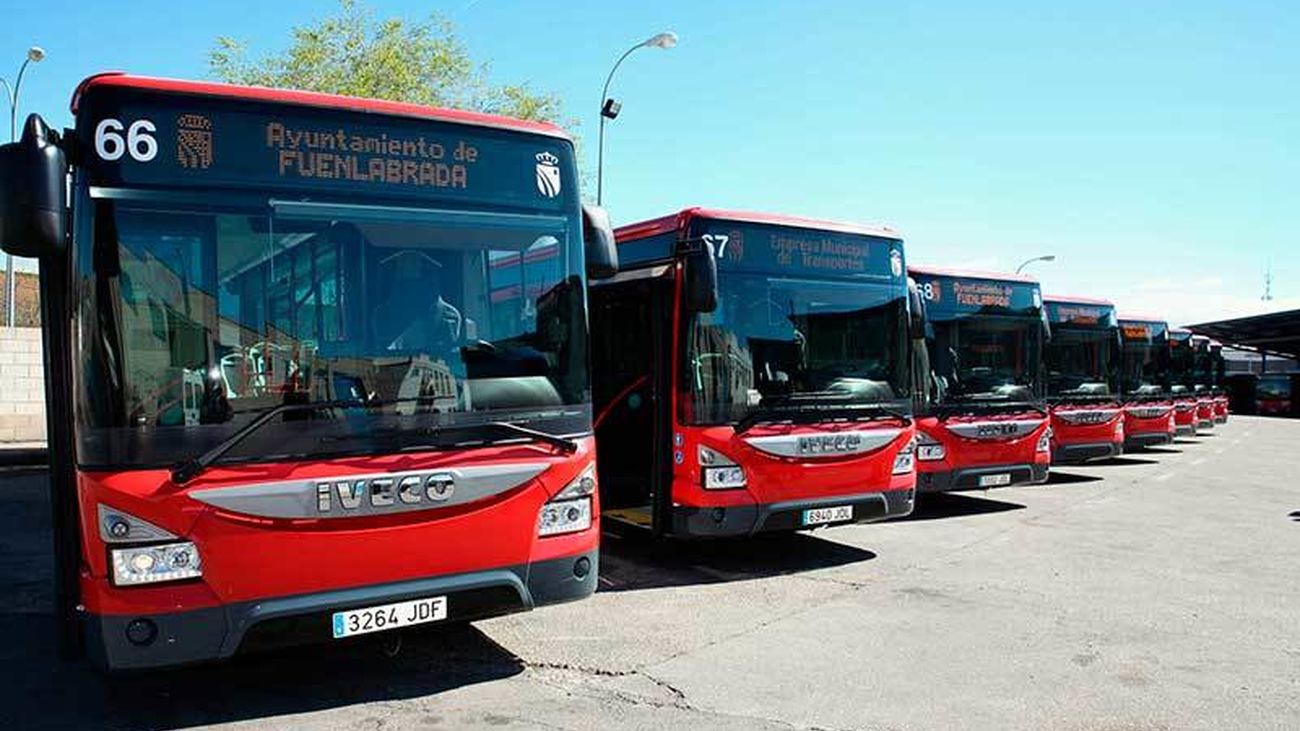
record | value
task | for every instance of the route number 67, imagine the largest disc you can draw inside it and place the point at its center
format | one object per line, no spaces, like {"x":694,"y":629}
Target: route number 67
{"x":139,"y":140}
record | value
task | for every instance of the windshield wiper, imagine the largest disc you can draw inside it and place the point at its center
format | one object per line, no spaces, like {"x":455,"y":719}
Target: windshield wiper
{"x":564,"y":444}
{"x":804,"y":414}
{"x":193,"y":467}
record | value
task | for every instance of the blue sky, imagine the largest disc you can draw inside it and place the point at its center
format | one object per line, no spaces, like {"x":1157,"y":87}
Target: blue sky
{"x":1153,"y":147}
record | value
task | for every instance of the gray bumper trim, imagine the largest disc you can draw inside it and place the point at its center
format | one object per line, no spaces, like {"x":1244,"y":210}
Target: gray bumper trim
{"x":219,"y":632}
{"x":1076,"y":453}
{"x":968,"y":479}
{"x":692,"y":522}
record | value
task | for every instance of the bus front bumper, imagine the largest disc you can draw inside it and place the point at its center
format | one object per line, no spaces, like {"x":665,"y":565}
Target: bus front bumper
{"x":970,"y":478}
{"x":1142,"y":440}
{"x":1086,"y":452}
{"x":181,"y":638}
{"x":743,"y":520}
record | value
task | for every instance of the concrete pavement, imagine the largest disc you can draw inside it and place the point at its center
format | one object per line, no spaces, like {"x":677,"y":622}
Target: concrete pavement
{"x":1158,"y":591}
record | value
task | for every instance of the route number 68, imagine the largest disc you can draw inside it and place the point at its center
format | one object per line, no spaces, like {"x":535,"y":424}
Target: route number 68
{"x":139,"y":140}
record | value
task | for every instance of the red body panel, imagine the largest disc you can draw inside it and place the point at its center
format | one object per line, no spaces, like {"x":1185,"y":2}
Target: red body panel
{"x":1205,"y":411}
{"x":1067,"y":432}
{"x":773,"y":479}
{"x":962,"y":453}
{"x":311,"y":98}
{"x":1221,"y":409}
{"x":246,"y":558}
{"x":1185,"y":414}
{"x":1137,"y":426}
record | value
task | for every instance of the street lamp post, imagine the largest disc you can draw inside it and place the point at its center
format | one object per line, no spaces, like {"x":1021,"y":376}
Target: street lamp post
{"x":609,"y":108}
{"x":1049,"y":257}
{"x":35,"y":54}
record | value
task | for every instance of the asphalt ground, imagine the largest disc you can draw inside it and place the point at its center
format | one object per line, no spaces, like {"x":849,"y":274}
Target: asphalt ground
{"x":1157,"y":591}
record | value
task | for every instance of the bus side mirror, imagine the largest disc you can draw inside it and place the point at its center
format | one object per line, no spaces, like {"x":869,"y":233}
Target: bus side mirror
{"x":916,"y":318}
{"x":700,"y":277}
{"x":32,"y":205}
{"x":601,"y":251}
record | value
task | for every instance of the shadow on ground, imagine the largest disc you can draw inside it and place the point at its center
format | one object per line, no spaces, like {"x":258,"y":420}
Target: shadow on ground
{"x":1070,"y":478}
{"x":39,"y":691}
{"x":1125,"y":461}
{"x":1161,"y":450}
{"x":936,"y":506}
{"x":632,"y":559}
{"x":1294,"y":515}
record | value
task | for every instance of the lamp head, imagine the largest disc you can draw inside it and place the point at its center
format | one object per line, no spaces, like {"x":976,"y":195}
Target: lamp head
{"x":667,"y":39}
{"x":36,"y":54}
{"x":1049,"y":257}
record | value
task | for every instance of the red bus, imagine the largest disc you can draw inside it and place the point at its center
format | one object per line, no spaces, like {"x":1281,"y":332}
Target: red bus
{"x":981,"y":417}
{"x":1275,"y":394}
{"x":1218,"y":367}
{"x":1145,"y":382}
{"x":1206,"y":377}
{"x":1082,"y":360}
{"x":1182,"y":369}
{"x":282,"y":406}
{"x":751,"y":374}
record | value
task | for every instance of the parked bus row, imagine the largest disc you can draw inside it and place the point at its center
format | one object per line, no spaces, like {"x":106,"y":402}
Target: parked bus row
{"x":319,"y":367}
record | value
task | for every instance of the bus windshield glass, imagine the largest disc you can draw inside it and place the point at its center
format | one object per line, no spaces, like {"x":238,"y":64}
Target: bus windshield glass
{"x":1144,"y":369}
{"x":1182,"y":366}
{"x":987,"y":337}
{"x":828,"y":329}
{"x":1080,"y":362}
{"x":987,"y":358}
{"x":195,"y":317}
{"x":1082,"y":356}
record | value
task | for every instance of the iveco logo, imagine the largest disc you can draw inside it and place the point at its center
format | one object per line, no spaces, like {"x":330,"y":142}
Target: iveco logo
{"x":998,"y":429}
{"x":830,"y":443}
{"x":1006,"y":429}
{"x":383,"y":492}
{"x":1088,"y":416}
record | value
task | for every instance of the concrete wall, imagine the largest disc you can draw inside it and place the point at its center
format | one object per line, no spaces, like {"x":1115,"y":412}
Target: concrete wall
{"x":22,"y":385}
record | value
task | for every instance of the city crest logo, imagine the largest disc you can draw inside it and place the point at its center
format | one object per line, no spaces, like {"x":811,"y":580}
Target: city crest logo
{"x":548,"y":174}
{"x":194,"y":141}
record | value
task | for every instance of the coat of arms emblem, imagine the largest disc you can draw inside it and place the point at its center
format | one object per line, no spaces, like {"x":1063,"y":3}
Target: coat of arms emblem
{"x":548,"y":174}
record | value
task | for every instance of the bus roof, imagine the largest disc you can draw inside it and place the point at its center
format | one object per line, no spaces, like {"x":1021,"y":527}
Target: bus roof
{"x":970,"y":274}
{"x":1071,"y":300}
{"x":683,"y":218}
{"x":120,"y":79}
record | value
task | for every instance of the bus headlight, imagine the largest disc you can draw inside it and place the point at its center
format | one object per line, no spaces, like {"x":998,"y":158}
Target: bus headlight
{"x":1045,"y":441}
{"x":905,"y":460}
{"x":928,"y":449}
{"x":718,"y":472}
{"x":570,"y":510}
{"x":152,"y":564}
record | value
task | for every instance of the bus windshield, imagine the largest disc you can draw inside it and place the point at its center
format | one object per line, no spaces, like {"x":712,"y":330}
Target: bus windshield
{"x":1182,"y":362}
{"x":989,"y":357}
{"x":774,"y":340}
{"x":195,"y":317}
{"x":1145,"y":362}
{"x":1081,"y":362}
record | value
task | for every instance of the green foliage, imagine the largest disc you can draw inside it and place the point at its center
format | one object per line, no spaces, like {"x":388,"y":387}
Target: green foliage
{"x":356,"y":54}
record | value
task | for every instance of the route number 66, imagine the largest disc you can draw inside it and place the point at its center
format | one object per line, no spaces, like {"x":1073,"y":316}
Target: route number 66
{"x":139,"y":140}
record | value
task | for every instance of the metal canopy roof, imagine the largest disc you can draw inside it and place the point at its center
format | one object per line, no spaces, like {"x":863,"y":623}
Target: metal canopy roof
{"x":1277,"y":332}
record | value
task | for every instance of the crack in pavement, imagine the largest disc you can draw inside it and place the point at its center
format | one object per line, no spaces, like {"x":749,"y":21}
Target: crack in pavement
{"x":677,"y":699}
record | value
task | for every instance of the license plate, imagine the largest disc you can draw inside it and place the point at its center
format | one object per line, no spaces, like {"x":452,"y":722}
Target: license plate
{"x":389,"y":616}
{"x":836,"y":514}
{"x":995,"y":480}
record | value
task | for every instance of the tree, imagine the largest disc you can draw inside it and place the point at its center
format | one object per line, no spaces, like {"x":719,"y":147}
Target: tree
{"x":355,"y":54}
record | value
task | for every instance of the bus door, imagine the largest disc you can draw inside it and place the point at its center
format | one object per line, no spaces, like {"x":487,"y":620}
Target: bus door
{"x":632,"y":336}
